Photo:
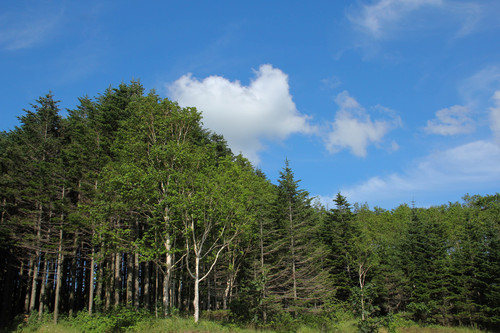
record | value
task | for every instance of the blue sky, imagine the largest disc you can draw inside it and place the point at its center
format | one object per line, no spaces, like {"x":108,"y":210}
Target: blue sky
{"x":387,"y":101}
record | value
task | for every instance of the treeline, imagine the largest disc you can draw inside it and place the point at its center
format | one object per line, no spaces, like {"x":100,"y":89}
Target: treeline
{"x":129,"y":202}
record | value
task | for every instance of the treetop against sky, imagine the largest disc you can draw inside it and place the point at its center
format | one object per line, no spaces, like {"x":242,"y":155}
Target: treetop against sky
{"x":386,"y":101}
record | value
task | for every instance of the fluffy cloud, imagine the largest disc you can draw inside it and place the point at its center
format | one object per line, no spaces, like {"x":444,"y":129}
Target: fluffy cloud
{"x":473,"y":166}
{"x":451,"y":121}
{"x":354,"y":129}
{"x":245,"y":115}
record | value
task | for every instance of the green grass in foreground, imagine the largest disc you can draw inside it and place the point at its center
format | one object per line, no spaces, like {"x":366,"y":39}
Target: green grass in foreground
{"x":183,"y":325}
{"x":131,"y":321}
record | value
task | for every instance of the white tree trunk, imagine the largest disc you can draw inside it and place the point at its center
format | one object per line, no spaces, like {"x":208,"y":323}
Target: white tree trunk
{"x":168,"y":276}
{"x":196,"y":300}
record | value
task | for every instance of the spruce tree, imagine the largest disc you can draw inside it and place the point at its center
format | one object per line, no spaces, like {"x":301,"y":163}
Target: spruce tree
{"x":338,"y":233}
{"x":296,"y":280}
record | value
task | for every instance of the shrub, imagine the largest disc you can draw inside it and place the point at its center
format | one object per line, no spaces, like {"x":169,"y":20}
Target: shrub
{"x":117,"y":320}
{"x":217,"y":315}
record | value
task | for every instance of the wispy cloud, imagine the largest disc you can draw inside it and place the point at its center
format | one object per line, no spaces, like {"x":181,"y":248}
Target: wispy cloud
{"x":20,"y":30}
{"x":451,"y":121}
{"x":376,"y":18}
{"x":471,"y":166}
{"x":245,"y":115}
{"x":384,"y":18}
{"x":481,"y":92}
{"x":354,"y":129}
{"x":478,"y":88}
{"x":495,"y":117}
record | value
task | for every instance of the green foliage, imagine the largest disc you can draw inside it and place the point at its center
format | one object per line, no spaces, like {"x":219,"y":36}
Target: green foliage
{"x":367,"y":295}
{"x":338,"y":233}
{"x":129,"y":200}
{"x":217,"y":315}
{"x":369,"y":325}
{"x":119,"y":320}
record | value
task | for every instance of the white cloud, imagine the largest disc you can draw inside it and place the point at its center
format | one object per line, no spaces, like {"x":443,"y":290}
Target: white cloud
{"x":331,"y":83}
{"x":354,"y":129}
{"x":20,"y":30}
{"x":375,"y":18}
{"x":466,"y":168}
{"x":451,"y":121}
{"x":245,"y":115}
{"x":478,"y":88}
{"x":495,"y":117}
{"x":384,"y":17}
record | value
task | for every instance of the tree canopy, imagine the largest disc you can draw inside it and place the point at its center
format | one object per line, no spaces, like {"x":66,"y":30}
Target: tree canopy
{"x":130,"y":202}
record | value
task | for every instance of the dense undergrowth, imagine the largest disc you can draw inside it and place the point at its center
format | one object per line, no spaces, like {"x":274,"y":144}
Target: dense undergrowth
{"x":128,"y":320}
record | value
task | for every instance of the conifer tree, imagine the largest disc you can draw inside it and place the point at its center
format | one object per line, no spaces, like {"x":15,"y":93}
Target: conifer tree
{"x":427,"y":267}
{"x":40,"y":184}
{"x":338,"y":233}
{"x":296,"y":279}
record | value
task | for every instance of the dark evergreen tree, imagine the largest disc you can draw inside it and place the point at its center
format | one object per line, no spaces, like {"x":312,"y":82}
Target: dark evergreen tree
{"x":488,"y":261}
{"x":426,"y":266}
{"x":338,"y":233}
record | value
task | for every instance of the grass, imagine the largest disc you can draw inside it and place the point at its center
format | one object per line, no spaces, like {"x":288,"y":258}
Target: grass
{"x":131,"y":321}
{"x":186,"y":325}
{"x":84,"y":323}
{"x":183,"y":325}
{"x":438,"y":330}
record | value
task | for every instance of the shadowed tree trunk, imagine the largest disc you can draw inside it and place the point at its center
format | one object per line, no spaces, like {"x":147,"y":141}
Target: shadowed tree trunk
{"x":60,"y":260}
{"x":117,"y":279}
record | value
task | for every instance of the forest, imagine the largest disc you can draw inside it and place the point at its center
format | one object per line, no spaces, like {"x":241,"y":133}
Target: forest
{"x":129,"y":202}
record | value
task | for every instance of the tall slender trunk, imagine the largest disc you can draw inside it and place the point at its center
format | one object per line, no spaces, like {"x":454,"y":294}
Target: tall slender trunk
{"x":100,"y":279}
{"x":42,"y":299}
{"x":208,"y":306}
{"x":28,"y":294}
{"x":363,"y":270}
{"x":168,"y":260}
{"x":118,"y":282}
{"x":172,"y":286}
{"x":92,"y":278}
{"x":146,"y":280}
{"x":179,"y":290}
{"x":60,"y":259}
{"x":73,"y":272}
{"x":226,"y":293}
{"x":196,"y":298}
{"x":83,"y":281}
{"x":4,"y":204}
{"x":156,"y":290}
{"x":136,"y":280}
{"x":168,"y":275}
{"x":130,"y":280}
{"x":108,"y":282}
{"x":36,"y":261}
{"x":107,"y":279}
